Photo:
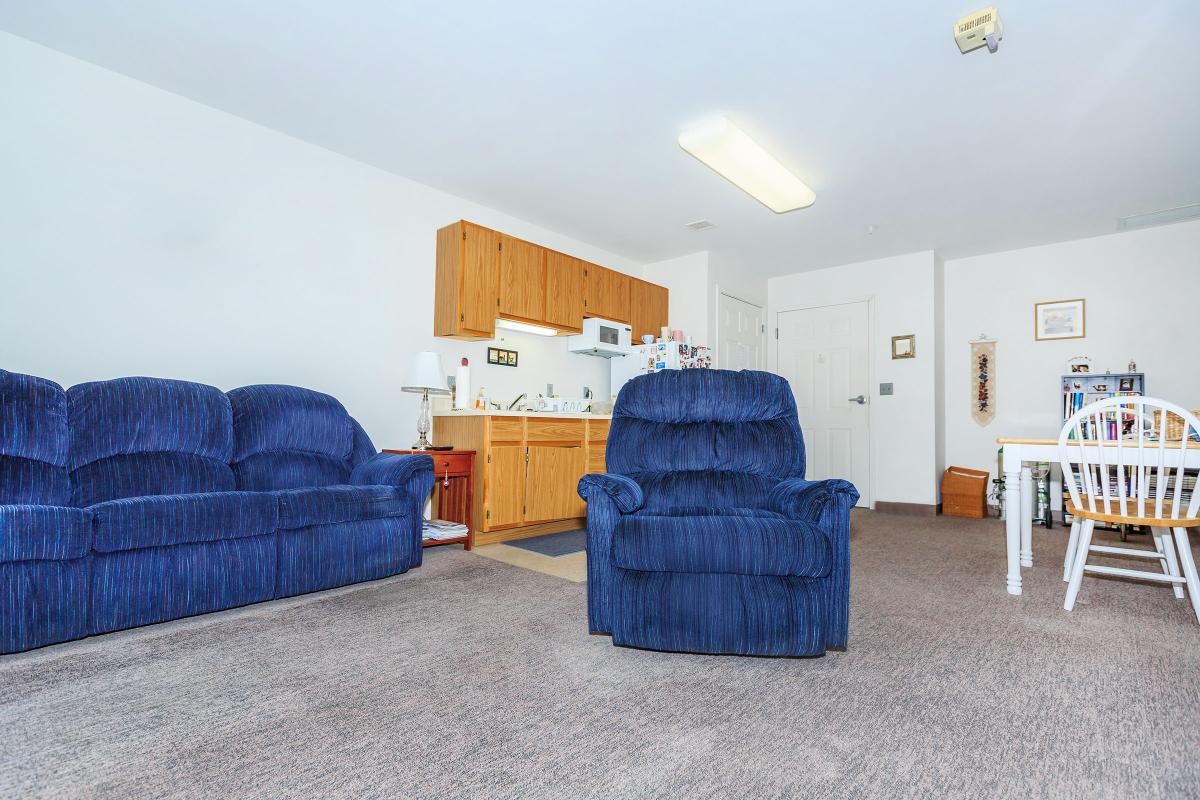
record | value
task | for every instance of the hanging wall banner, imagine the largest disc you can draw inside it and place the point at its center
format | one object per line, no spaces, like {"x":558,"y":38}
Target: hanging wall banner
{"x":983,"y":381}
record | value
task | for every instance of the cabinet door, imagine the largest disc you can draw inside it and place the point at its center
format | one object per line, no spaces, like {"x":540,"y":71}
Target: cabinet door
{"x":504,"y":486}
{"x":554,"y":473}
{"x":522,"y":280}
{"x":564,"y":291}
{"x":605,"y":293}
{"x":647,"y":308}
{"x":478,"y":272}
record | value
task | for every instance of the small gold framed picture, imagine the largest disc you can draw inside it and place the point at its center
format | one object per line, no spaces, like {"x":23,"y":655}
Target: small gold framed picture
{"x":904,"y":346}
{"x":1059,"y":319}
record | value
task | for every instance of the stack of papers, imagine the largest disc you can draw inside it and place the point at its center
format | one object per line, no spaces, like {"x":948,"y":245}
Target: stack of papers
{"x":438,"y":529}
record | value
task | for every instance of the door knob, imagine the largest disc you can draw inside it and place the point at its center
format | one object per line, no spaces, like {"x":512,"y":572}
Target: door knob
{"x":860,"y":399}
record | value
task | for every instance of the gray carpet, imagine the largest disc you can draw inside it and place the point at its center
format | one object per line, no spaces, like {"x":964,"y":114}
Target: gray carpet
{"x":473,"y":678}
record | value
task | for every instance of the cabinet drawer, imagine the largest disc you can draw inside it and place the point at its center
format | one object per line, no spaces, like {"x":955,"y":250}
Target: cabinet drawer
{"x":507,"y":429}
{"x":555,"y":430}
{"x":455,"y":464}
{"x":598,"y":430}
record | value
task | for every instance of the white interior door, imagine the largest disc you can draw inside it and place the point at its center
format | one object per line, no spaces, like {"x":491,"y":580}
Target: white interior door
{"x":740,"y":334}
{"x":823,"y":353}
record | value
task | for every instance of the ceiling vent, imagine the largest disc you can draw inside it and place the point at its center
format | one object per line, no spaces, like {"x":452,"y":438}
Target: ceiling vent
{"x":700,"y":225}
{"x":1163,"y":217}
{"x":976,"y":30}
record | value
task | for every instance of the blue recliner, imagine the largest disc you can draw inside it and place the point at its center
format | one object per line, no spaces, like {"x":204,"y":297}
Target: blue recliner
{"x":704,"y":536}
{"x":138,"y":500}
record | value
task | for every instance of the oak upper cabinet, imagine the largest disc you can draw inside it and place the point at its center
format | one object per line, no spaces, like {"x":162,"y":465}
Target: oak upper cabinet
{"x":564,"y":292}
{"x":647,"y":308}
{"x":522,"y":293}
{"x":605,"y":293}
{"x":468,"y":265}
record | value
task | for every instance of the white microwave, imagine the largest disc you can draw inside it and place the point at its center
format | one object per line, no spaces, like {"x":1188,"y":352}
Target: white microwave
{"x":602,"y":337}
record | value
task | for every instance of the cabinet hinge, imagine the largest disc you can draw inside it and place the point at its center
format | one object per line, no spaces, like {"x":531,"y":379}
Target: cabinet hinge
{"x":497,"y":301}
{"x":524,"y":509}
{"x":464,"y":234}
{"x":499,"y":245}
{"x":762,"y":327}
{"x":777,"y":333}
{"x":487,"y":514}
{"x":489,"y":458}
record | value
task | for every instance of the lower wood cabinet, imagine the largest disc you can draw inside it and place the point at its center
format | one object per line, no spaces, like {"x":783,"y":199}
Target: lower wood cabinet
{"x":530,"y":469}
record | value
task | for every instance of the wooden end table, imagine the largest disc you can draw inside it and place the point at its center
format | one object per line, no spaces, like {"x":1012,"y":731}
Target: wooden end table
{"x":453,"y":489}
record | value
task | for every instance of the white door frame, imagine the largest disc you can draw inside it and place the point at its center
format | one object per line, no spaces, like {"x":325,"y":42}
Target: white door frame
{"x":762,"y":334}
{"x":871,"y":394}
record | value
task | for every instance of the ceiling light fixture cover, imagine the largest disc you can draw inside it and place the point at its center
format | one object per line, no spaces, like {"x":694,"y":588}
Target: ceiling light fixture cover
{"x":727,"y":149}
{"x":525,"y":327}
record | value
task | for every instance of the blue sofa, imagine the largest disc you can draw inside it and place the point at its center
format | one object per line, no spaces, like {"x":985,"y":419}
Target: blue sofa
{"x":138,"y":500}
{"x":704,"y":537}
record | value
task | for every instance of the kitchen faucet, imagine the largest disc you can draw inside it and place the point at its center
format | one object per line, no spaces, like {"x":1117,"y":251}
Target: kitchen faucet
{"x":513,"y":404}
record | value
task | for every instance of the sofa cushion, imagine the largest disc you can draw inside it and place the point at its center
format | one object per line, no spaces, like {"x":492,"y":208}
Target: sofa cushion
{"x":145,"y":474}
{"x":322,"y":505}
{"x":755,"y":543}
{"x":43,"y":533}
{"x":287,"y":437}
{"x":33,"y":441}
{"x":133,"y":437}
{"x":733,"y":421}
{"x":136,"y":522}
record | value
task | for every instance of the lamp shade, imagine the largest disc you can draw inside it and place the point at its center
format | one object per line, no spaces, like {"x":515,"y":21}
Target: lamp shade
{"x":426,"y":374}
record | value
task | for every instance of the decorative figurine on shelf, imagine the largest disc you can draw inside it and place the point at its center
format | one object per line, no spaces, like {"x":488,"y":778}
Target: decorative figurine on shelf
{"x":1132,"y":365}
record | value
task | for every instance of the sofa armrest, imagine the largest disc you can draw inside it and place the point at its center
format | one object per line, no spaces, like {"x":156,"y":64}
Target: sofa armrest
{"x":826,"y":505}
{"x":803,"y":500}
{"x":623,"y":490}
{"x":410,"y":474}
{"x":391,"y":469}
{"x":609,"y":497}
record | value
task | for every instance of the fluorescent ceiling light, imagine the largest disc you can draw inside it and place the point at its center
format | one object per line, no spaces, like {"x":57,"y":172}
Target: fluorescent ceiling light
{"x":735,"y":156}
{"x":525,"y":327}
{"x":1163,"y":217}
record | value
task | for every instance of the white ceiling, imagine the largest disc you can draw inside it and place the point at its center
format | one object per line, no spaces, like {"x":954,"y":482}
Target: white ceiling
{"x":566,"y":113}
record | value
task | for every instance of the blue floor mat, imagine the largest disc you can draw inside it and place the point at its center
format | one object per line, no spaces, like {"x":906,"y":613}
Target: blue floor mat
{"x":554,"y":544}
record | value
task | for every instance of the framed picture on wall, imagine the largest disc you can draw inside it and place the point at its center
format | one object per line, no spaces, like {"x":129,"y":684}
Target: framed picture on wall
{"x":1059,"y":319}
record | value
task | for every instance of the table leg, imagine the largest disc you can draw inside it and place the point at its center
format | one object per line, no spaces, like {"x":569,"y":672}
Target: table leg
{"x":1026,"y":516}
{"x":1012,"y":523}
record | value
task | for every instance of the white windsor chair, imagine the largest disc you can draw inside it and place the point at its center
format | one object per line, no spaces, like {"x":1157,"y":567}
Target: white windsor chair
{"x":1120,"y":468}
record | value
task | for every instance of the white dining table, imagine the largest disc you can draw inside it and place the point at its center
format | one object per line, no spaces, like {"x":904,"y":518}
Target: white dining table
{"x":1018,"y":497}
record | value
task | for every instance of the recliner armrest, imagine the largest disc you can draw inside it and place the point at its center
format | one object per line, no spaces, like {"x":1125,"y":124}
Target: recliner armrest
{"x":799,"y":499}
{"x":391,"y":469}
{"x":623,"y":490}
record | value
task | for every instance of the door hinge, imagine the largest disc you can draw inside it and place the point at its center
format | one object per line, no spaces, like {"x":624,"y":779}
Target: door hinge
{"x":489,"y":458}
{"x":526,"y":455}
{"x":464,"y":234}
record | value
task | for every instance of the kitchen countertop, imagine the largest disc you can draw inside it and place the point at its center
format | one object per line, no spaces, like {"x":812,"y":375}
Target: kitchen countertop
{"x":495,"y":412}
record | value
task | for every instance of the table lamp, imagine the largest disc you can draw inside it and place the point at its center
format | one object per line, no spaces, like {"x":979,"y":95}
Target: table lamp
{"x":426,"y":376}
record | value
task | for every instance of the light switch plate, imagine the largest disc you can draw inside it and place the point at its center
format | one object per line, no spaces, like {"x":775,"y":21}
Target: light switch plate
{"x":885,"y":388}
